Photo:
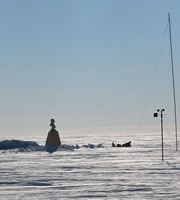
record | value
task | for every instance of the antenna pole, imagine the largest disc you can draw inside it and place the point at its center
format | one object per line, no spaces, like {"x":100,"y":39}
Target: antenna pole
{"x":162,"y":140}
{"x":174,"y":91}
{"x":162,"y":134}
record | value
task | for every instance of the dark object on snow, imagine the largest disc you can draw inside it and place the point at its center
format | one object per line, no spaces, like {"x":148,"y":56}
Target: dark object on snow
{"x":53,"y":138}
{"x":113,"y":145}
{"x":127,"y":144}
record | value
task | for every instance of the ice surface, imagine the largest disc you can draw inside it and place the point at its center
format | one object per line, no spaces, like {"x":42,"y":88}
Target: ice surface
{"x":28,"y":146}
{"x":12,"y":144}
{"x":91,"y":170}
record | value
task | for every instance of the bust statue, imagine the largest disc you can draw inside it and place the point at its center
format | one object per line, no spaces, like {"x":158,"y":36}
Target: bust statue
{"x":53,"y":138}
{"x":53,"y":127}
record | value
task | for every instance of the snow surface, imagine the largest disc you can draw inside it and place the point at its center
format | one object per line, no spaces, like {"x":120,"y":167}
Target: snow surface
{"x":87,"y":167}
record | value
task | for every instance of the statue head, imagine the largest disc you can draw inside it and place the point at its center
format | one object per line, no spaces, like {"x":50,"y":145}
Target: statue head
{"x":53,"y":127}
{"x":52,"y":121}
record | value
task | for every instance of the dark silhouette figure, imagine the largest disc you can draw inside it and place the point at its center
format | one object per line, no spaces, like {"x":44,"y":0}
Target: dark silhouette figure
{"x":52,"y":124}
{"x":113,"y":145}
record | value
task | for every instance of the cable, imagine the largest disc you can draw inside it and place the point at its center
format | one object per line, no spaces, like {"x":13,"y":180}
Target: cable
{"x":154,"y":74}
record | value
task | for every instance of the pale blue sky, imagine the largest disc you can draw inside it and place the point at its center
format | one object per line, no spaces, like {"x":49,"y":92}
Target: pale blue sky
{"x":88,"y":64}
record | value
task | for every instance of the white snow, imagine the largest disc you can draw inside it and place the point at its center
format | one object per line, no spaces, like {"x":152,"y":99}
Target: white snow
{"x":87,"y":167}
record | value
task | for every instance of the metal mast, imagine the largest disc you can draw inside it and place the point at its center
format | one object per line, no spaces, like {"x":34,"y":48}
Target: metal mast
{"x":174,"y":91}
{"x":162,"y":142}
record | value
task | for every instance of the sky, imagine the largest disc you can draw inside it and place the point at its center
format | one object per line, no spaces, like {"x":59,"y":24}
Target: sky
{"x":93,"y":66}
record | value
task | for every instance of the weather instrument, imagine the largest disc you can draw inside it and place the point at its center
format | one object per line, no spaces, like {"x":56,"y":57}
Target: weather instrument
{"x":160,"y":112}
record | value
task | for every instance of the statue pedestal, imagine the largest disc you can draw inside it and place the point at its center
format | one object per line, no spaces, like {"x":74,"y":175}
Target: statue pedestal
{"x":53,"y":138}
